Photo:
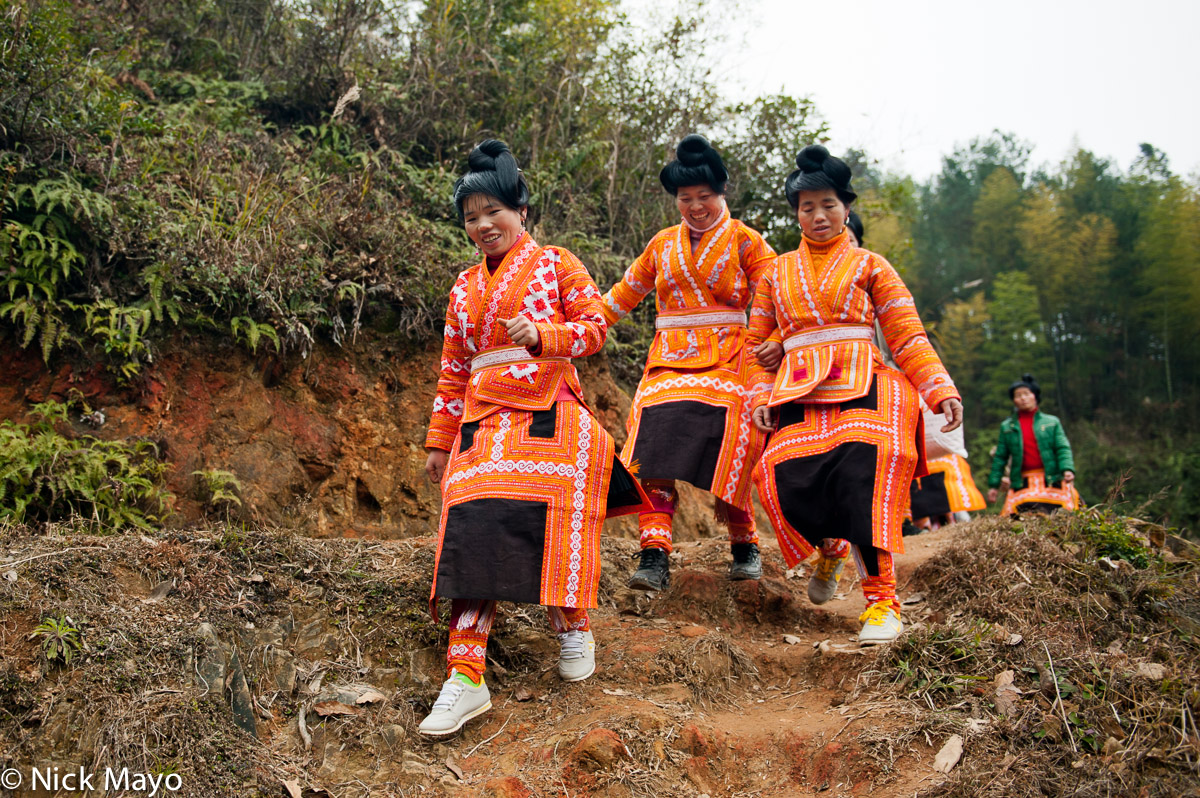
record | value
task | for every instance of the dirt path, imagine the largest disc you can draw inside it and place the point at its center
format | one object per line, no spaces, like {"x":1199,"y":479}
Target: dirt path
{"x":254,"y":663}
{"x":714,"y":688}
{"x":711,"y":688}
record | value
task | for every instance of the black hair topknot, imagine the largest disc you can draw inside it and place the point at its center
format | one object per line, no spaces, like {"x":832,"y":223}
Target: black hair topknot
{"x":855,"y":223}
{"x":492,"y":169}
{"x":696,"y":164}
{"x":817,"y":170}
{"x":1026,"y":381}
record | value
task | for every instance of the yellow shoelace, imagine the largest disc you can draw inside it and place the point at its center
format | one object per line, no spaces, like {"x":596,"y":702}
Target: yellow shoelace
{"x":877,"y":613}
{"x":827,"y":567}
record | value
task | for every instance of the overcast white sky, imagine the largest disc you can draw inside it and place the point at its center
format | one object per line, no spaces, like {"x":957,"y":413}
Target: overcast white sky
{"x":908,"y":80}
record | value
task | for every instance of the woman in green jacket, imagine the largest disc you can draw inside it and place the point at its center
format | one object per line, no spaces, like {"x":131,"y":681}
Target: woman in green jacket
{"x":1040,"y":452}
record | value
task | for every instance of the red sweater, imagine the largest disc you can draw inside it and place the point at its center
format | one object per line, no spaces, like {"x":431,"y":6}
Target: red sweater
{"x":1031,"y":458}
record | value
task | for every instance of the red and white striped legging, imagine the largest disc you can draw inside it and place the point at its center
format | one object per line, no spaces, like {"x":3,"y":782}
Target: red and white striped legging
{"x":655,"y":526}
{"x":471,"y":623}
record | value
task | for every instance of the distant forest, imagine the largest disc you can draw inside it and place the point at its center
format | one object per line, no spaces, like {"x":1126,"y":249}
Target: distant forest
{"x":278,"y":172}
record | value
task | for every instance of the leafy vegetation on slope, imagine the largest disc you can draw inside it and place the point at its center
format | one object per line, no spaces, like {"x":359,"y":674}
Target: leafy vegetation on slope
{"x":279,"y":171}
{"x":46,"y":476}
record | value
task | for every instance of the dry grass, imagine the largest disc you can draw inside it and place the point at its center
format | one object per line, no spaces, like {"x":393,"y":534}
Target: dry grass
{"x":131,"y":699}
{"x":712,"y":666}
{"x":1083,"y":640}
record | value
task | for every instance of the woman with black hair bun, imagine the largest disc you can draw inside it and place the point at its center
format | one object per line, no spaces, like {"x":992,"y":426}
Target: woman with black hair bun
{"x":846,"y":436}
{"x":1040,"y":453}
{"x":690,"y":418}
{"x":856,"y":230}
{"x":527,"y":473}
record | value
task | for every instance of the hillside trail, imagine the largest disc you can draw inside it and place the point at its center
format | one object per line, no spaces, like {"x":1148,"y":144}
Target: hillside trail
{"x":709,"y":688}
{"x":261,"y":663}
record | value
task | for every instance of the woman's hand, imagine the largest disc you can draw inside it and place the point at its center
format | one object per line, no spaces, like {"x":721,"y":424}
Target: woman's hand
{"x":952,"y":409}
{"x":769,"y":354}
{"x":764,"y":418}
{"x":435,"y":465}
{"x":1068,"y":478}
{"x":522,"y":331}
{"x":1005,"y":485}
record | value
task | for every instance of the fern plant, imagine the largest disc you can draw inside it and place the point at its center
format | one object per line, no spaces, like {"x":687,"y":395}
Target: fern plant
{"x":219,"y":489}
{"x":246,"y":330}
{"x":46,"y":476}
{"x":160,"y":303}
{"x":40,"y":231}
{"x":121,"y":332}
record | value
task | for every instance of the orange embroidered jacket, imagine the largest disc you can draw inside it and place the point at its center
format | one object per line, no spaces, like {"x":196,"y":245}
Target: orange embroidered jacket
{"x":826,"y":312}
{"x":481,"y":369}
{"x":720,"y":276}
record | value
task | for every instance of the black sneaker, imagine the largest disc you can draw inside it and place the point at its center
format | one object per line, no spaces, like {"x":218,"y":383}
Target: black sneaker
{"x":908,"y":529}
{"x":653,"y":572}
{"x":746,"y":562}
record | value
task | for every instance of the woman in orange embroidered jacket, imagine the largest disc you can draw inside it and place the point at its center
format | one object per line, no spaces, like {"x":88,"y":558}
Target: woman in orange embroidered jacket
{"x":526,"y":471}
{"x":846,"y":428}
{"x":690,"y":419}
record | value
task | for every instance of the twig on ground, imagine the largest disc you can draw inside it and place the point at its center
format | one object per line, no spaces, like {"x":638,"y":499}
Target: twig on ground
{"x":493,"y":737}
{"x":49,"y":554}
{"x":1058,"y":699}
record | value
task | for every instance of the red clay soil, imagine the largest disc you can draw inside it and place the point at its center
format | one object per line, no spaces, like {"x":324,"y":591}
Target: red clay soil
{"x":337,"y":438}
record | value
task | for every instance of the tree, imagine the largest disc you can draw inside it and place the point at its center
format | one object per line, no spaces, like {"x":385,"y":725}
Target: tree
{"x":759,"y":143}
{"x":962,"y":337}
{"x":1016,"y":341}
{"x":993,"y":245}
{"x":944,"y":228}
{"x":1170,"y":246}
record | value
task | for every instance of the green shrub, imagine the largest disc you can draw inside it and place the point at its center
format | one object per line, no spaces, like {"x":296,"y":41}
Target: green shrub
{"x":279,"y":172}
{"x":1105,"y":534}
{"x":54,"y":95}
{"x":46,"y":476}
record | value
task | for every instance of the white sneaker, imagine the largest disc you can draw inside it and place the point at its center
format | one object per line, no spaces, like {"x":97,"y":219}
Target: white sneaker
{"x":457,"y":704}
{"x":577,"y":657}
{"x":881,"y":624}
{"x":823,"y":583}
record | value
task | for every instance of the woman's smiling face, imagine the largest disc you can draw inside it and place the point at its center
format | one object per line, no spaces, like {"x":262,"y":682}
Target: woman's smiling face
{"x":492,"y":225}
{"x":699,"y":205}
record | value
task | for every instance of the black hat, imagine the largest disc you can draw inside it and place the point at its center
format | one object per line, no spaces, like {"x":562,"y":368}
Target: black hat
{"x":817,"y":170}
{"x":1026,"y":381}
{"x":696,"y":164}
